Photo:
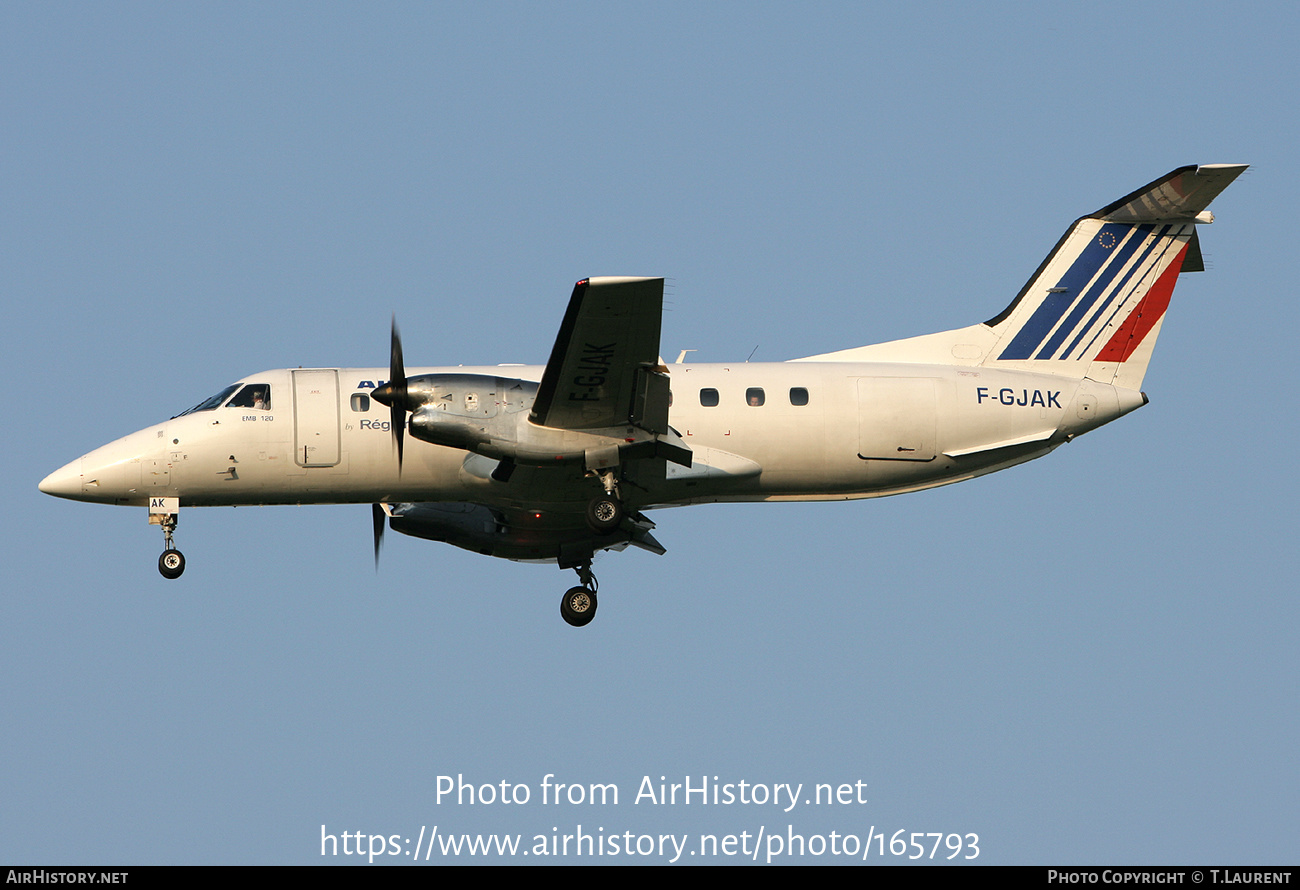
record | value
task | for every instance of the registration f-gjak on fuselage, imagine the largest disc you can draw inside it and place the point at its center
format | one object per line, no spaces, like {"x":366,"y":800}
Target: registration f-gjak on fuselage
{"x":558,"y":462}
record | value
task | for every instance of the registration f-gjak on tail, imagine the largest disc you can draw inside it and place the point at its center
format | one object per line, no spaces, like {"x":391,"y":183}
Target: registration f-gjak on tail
{"x":556,"y":463}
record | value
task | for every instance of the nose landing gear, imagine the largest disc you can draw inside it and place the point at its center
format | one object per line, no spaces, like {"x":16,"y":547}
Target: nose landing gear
{"x":172,"y":562}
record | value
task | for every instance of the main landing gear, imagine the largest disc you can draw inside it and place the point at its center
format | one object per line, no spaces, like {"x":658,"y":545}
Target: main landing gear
{"x":578,"y":605}
{"x":172,"y":562}
{"x":605,"y":512}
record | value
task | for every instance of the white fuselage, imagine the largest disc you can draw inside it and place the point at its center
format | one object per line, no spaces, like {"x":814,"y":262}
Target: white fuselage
{"x":823,"y":431}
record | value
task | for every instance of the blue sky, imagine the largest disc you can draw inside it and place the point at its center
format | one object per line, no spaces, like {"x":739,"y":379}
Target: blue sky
{"x":1087,"y":659}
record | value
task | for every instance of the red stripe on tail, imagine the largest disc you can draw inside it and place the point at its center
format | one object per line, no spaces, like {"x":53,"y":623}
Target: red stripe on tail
{"x":1143,"y":318}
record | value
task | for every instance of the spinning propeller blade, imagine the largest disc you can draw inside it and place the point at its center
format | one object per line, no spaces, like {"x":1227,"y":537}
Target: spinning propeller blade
{"x":394,"y":392}
{"x":377,"y":516}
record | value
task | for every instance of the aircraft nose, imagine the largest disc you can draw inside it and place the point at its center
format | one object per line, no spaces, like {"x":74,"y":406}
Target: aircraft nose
{"x":64,"y":482}
{"x":111,"y":474}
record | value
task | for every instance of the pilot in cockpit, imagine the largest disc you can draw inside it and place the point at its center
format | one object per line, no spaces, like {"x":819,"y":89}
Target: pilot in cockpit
{"x":255,"y":395}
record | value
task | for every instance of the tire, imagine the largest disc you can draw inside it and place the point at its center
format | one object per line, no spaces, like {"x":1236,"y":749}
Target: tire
{"x":604,"y":514}
{"x":578,"y":606}
{"x":171,"y":564}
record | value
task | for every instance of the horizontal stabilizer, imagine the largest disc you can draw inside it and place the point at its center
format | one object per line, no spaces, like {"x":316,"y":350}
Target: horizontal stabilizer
{"x":1181,"y":194}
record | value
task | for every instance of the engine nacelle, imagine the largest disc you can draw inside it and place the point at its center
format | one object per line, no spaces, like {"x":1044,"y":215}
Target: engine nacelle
{"x":473,"y":412}
{"x":488,"y":416}
{"x":484,"y":530}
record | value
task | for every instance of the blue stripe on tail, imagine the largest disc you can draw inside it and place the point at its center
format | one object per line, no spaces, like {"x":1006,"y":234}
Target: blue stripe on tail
{"x":1099,"y":251}
{"x":1098,"y":288}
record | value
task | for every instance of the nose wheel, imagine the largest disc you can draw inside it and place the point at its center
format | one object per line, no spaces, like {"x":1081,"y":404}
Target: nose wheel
{"x":578,"y":605}
{"x":172,"y":562}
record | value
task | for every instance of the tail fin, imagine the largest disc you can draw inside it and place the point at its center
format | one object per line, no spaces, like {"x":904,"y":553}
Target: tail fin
{"x":1095,"y":306}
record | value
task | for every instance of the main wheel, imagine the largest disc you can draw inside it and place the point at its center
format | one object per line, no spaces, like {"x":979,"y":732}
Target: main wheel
{"x":171,"y":564}
{"x":604,"y":514}
{"x":578,"y":606}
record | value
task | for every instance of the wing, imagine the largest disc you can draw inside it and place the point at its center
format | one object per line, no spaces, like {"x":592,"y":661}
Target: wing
{"x":604,"y":370}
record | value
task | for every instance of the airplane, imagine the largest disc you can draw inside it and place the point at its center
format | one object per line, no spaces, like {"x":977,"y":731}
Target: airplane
{"x":557,"y":463}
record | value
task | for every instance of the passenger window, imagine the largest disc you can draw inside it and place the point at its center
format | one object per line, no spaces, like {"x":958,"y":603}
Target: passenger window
{"x":255,"y":395}
{"x":709,"y":397}
{"x":360,"y":401}
{"x":798,"y":395}
{"x":754,"y":396}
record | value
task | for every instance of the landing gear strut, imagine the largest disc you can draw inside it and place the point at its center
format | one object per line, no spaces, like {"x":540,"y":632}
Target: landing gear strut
{"x":172,"y":562}
{"x":578,"y":605}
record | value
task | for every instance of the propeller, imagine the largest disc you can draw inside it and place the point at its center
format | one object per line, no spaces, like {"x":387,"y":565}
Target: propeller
{"x":394,"y":394}
{"x":377,"y":515}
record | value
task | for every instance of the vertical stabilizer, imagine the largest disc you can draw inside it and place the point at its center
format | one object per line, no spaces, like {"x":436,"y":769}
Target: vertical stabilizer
{"x":1095,"y":305}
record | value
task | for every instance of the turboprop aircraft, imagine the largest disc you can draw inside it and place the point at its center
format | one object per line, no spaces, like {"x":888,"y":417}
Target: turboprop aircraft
{"x":556,"y":463}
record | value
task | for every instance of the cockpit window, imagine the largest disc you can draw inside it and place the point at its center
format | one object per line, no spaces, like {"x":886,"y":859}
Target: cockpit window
{"x":209,"y":404}
{"x":254,"y":395}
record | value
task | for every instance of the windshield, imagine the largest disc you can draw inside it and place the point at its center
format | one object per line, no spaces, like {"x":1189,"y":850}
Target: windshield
{"x":209,"y":404}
